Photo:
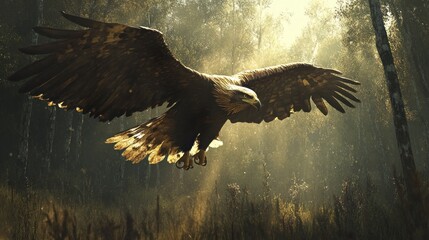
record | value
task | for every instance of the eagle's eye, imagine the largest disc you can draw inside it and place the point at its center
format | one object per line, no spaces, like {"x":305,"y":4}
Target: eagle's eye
{"x":246,"y":96}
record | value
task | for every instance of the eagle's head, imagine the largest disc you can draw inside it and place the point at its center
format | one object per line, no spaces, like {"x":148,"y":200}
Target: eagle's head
{"x":234,"y":98}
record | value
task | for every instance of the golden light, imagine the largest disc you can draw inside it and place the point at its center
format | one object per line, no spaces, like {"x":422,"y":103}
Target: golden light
{"x":294,"y":21}
{"x":294,"y":14}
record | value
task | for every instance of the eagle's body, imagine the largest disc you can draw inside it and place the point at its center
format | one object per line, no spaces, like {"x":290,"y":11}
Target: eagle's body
{"x":111,"y":69}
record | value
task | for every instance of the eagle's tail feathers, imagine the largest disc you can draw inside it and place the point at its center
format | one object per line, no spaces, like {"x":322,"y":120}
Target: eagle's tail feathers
{"x":149,"y":140}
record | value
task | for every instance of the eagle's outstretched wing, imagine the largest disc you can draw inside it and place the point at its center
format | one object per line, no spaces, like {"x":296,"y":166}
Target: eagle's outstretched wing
{"x":286,"y":88}
{"x":107,"y":69}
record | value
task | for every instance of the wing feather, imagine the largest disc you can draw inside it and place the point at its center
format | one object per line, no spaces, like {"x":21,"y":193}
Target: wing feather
{"x":107,"y":69}
{"x":53,"y":47}
{"x":347,"y":94}
{"x":34,"y":68}
{"x":334,"y":103}
{"x":343,"y":100}
{"x":59,"y":33}
{"x":346,"y":87}
{"x":283,"y":88}
{"x":84,"y":22}
{"x":318,"y":101}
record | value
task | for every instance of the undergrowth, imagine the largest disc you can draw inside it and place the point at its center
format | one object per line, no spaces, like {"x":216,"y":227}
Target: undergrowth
{"x":230,"y":212}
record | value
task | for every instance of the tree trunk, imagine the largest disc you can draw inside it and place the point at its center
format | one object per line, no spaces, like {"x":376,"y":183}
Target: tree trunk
{"x":50,"y":140}
{"x":78,"y":136}
{"x":158,"y":172}
{"x":25,"y":135}
{"x":234,"y":44}
{"x":68,"y":139}
{"x":147,"y":177}
{"x":27,"y":109}
{"x":415,"y":40}
{"x":122,"y":167}
{"x":152,"y":114}
{"x":416,"y":52}
{"x":400,"y":121}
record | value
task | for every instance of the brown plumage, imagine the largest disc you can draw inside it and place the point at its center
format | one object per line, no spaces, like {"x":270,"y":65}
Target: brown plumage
{"x":110,"y":69}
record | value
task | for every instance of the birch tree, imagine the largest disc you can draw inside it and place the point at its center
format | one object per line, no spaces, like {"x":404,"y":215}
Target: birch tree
{"x":400,"y":122}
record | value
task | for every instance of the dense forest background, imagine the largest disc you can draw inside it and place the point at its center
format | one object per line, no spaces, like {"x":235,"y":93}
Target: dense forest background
{"x":306,"y":177}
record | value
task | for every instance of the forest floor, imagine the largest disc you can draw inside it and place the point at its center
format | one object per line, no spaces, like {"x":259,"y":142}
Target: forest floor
{"x":233,"y":213}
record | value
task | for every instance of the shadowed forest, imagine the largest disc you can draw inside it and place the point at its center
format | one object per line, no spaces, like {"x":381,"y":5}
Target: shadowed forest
{"x":309,"y":176}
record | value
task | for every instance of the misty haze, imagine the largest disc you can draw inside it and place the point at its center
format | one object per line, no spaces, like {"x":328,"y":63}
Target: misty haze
{"x":362,"y":174}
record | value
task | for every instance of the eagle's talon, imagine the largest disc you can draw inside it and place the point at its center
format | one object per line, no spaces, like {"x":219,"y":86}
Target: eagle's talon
{"x":188,"y":167}
{"x":184,"y":162}
{"x":200,"y":158}
{"x":180,"y":164}
{"x":201,"y":162}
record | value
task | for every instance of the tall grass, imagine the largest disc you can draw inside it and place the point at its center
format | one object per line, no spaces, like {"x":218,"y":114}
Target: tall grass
{"x":231,"y":213}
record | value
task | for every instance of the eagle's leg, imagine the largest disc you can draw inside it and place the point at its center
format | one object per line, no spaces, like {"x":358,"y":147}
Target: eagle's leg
{"x":200,"y":158}
{"x":185,"y":162}
{"x":207,"y":137}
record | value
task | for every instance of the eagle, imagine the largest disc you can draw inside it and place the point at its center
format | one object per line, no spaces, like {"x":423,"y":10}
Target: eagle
{"x":108,"y":70}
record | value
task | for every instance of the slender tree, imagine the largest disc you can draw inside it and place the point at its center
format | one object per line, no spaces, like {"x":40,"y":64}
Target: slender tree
{"x":28,"y":108}
{"x":68,"y":139}
{"x":52,"y":112}
{"x":412,"y":22}
{"x":400,"y":120}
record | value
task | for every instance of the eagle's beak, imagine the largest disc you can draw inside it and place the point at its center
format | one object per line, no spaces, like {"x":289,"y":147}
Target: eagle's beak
{"x":254,"y":103}
{"x":258,"y":104}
